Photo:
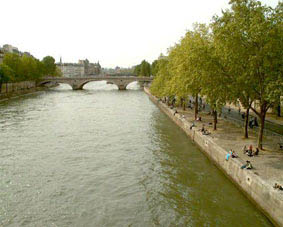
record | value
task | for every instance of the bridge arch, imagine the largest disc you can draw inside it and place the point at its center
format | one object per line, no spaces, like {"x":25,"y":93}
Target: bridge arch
{"x":77,"y":83}
{"x":121,"y":84}
{"x":140,"y":83}
{"x":43,"y":83}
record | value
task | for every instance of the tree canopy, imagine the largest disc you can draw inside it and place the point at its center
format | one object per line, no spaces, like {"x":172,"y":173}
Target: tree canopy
{"x":143,"y":69}
{"x":16,"y":68}
{"x":236,"y":58}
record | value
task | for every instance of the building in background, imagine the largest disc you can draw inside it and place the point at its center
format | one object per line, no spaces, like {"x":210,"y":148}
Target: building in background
{"x":7,"y":48}
{"x":81,"y":69}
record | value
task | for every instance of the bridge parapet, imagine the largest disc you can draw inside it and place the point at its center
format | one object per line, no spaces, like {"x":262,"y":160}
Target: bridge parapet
{"x":79,"y":82}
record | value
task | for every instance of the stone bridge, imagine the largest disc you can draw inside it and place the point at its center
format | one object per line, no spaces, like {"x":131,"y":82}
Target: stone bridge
{"x":77,"y":83}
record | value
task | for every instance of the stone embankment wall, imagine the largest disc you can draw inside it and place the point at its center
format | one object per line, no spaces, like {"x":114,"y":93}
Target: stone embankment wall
{"x":256,"y":189}
{"x":25,"y":87}
{"x":15,"y":87}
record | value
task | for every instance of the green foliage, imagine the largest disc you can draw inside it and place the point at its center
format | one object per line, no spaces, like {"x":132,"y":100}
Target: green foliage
{"x":237,"y":58}
{"x":158,"y":87}
{"x":49,"y":67}
{"x":6,"y":74}
{"x":137,"y":69}
{"x":16,"y":68}
{"x":154,"y":67}
{"x":143,"y":69}
{"x":249,"y":38}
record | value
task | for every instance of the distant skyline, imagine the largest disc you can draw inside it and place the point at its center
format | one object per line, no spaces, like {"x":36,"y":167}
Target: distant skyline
{"x":115,"y":33}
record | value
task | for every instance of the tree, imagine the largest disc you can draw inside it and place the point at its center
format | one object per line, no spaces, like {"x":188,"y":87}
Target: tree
{"x":144,"y":69}
{"x":252,"y":39}
{"x":31,"y":68}
{"x":6,"y":75}
{"x":137,"y":70}
{"x":193,"y":52}
{"x":163,"y":76}
{"x":154,"y":67}
{"x":49,"y":67}
{"x":13,"y":61}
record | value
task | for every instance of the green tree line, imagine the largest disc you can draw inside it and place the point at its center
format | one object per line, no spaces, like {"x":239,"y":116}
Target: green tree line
{"x":143,"y":69}
{"x":237,"y":58}
{"x":16,"y":68}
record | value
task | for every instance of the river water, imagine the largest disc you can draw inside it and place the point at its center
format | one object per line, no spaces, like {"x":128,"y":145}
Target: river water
{"x":103,"y":157}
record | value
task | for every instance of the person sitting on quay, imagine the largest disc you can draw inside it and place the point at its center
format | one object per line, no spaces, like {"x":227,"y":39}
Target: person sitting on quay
{"x":175,"y":112}
{"x":193,"y":125}
{"x":277,"y":186}
{"x":206,"y":132}
{"x":198,"y":118}
{"x":250,"y":151}
{"x":228,"y":155}
{"x":190,"y":105}
{"x":245,"y":150}
{"x":233,"y":154}
{"x":202,"y":128}
{"x":256,"y":152}
{"x":248,"y":165}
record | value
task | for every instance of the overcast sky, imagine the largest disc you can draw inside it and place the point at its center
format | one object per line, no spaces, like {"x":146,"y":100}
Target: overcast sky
{"x":115,"y":32}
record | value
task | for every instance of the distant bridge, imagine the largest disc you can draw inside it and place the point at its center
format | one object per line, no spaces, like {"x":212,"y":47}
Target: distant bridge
{"x":77,"y":83}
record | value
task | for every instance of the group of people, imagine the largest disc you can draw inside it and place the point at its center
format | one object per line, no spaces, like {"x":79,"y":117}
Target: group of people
{"x":232,"y":154}
{"x":253,"y":121}
{"x":201,"y":105}
{"x":250,"y":151}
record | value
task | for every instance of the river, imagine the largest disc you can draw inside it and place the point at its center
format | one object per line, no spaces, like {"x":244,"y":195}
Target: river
{"x":103,"y":157}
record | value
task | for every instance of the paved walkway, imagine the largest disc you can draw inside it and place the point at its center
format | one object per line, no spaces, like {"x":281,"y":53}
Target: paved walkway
{"x":271,"y":118}
{"x":268,"y":164}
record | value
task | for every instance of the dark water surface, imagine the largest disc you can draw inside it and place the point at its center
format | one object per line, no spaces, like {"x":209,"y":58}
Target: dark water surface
{"x":103,"y":157}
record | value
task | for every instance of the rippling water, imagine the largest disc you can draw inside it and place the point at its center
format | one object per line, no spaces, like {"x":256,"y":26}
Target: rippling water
{"x":103,"y":157}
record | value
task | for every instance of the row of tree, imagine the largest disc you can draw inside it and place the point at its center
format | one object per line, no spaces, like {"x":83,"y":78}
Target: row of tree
{"x":236,"y":58}
{"x":16,"y":68}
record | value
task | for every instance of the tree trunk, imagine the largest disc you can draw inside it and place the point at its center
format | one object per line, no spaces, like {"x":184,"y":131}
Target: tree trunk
{"x":196,"y":106}
{"x":247,"y":123}
{"x":184,"y":105}
{"x":279,"y":110}
{"x":260,"y":135}
{"x":1,"y":87}
{"x":214,"y":119}
{"x":181,"y":103}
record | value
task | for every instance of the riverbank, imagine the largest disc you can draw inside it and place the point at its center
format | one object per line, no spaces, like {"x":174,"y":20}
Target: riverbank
{"x":15,"y":91}
{"x":258,"y":183}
